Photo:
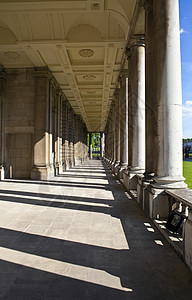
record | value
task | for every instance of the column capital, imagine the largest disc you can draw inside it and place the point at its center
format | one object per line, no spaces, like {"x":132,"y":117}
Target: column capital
{"x":137,"y":40}
{"x":128,"y":53}
{"x":116,"y":93}
{"x":123,"y":73}
{"x":3,"y":73}
{"x":146,"y":3}
{"x":43,"y":72}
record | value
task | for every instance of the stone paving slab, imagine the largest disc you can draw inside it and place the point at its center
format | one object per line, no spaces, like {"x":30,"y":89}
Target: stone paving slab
{"x":81,"y":236}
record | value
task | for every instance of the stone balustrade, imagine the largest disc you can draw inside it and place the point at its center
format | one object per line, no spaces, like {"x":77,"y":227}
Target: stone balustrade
{"x":181,"y":200}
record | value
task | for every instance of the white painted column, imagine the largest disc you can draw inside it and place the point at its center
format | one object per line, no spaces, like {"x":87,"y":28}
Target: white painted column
{"x":138,"y":105}
{"x":90,"y":145}
{"x":117,"y":126}
{"x":168,"y":99}
{"x":113,"y":133}
{"x":123,"y":124}
{"x":101,"y":145}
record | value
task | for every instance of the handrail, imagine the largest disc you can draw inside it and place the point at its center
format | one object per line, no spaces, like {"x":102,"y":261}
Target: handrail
{"x":181,"y":195}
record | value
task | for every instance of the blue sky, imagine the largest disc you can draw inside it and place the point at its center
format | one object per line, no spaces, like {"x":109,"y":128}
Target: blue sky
{"x":186,"y":64}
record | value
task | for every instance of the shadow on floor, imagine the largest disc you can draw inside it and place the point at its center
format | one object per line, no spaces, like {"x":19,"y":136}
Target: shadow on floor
{"x":148,"y":268}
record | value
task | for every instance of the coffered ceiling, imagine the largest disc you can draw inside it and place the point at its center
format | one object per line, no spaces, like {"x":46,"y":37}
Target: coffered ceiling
{"x":82,"y":42}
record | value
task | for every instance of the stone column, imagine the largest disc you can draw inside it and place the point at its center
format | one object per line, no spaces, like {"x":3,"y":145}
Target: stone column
{"x":3,"y":77}
{"x":150,"y":156}
{"x":41,"y":161}
{"x":168,"y":100}
{"x":110,"y":138}
{"x":137,"y":112}
{"x":167,"y":105}
{"x":107,"y":141}
{"x":77,"y":142}
{"x":90,"y":145}
{"x":113,"y":128}
{"x":70,"y":116}
{"x":64,"y":135}
{"x":101,"y":145}
{"x":123,"y":124}
{"x":58,"y":164}
{"x":117,"y":128}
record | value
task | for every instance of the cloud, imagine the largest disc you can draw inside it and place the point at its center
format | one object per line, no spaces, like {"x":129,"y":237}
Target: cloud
{"x":187,"y":109}
{"x":182,"y":30}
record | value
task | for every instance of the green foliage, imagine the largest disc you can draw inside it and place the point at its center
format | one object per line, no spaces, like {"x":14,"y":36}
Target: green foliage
{"x":187,"y":173}
{"x":95,"y":140}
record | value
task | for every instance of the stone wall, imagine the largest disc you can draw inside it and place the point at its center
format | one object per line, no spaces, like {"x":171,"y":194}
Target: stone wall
{"x":19,"y":122}
{"x":38,"y":126}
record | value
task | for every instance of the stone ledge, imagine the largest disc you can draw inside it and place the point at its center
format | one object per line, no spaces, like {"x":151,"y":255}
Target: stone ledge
{"x":182,"y":195}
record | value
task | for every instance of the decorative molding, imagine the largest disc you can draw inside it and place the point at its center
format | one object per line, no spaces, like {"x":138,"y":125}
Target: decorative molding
{"x":91,"y":92}
{"x":12,"y":56}
{"x":89,"y":77}
{"x":86,"y":52}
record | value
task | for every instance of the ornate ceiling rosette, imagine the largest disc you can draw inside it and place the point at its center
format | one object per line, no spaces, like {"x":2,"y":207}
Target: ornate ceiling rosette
{"x":89,"y":77}
{"x":86,"y":52}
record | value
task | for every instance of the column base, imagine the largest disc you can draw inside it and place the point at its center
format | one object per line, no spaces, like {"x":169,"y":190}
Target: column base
{"x":156,"y":202}
{"x":58,"y":169}
{"x":169,"y":182}
{"x":116,"y":167}
{"x":42,"y":172}
{"x":2,"y":173}
{"x":78,"y":161}
{"x":120,"y":171}
{"x":130,"y":179}
{"x":113,"y":166}
{"x":66,"y":165}
{"x":142,"y":193}
{"x":140,"y":190}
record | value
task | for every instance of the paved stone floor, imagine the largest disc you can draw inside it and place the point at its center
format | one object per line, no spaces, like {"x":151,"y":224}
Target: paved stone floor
{"x":81,"y":236}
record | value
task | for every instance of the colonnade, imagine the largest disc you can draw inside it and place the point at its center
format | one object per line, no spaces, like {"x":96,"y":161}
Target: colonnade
{"x":144,"y":140}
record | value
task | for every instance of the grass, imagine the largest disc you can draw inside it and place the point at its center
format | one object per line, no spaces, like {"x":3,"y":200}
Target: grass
{"x":187,"y":173}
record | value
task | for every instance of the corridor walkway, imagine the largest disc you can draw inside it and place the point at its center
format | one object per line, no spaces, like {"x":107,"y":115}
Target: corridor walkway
{"x":81,"y":236}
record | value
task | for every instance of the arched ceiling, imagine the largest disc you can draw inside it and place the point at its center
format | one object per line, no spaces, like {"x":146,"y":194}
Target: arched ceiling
{"x":82,"y":43}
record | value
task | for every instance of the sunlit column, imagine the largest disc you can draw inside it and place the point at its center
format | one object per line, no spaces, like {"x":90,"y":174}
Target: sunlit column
{"x":124,"y":120}
{"x":138,"y":105}
{"x":167,"y":99}
{"x":101,"y":145}
{"x":117,"y":125}
{"x":90,"y":145}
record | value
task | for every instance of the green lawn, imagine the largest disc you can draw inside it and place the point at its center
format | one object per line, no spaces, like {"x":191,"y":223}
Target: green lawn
{"x":187,"y":173}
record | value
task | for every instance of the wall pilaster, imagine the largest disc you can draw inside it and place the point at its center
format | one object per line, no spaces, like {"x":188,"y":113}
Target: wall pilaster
{"x":41,"y":168}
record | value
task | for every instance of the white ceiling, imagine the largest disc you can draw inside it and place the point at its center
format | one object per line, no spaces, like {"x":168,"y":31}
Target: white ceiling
{"x":81,"y":42}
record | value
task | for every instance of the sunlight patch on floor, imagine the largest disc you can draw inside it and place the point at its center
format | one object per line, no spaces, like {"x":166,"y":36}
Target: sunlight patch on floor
{"x":61,"y":268}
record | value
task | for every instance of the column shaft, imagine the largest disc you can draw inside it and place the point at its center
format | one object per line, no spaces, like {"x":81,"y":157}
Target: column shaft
{"x":117,"y":126}
{"x":90,"y":145}
{"x":124,"y":121}
{"x":168,"y":100}
{"x":101,"y":145}
{"x":150,"y":156}
{"x":138,"y":106}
